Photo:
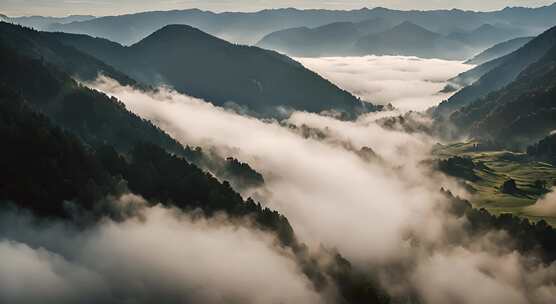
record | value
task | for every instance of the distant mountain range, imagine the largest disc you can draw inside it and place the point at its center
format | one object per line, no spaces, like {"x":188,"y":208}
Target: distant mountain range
{"x":412,"y":40}
{"x":249,"y":28}
{"x":327,"y":40}
{"x":203,"y":66}
{"x":381,"y":37}
{"x":40,"y":22}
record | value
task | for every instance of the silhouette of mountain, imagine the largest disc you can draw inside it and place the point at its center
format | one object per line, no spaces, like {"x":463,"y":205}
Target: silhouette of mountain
{"x":486,"y":35}
{"x":198,"y":64}
{"x":499,"y":50}
{"x":412,"y":40}
{"x":45,"y":47}
{"x":41,"y":23}
{"x":96,"y":118}
{"x":337,"y":38}
{"x":249,"y":28}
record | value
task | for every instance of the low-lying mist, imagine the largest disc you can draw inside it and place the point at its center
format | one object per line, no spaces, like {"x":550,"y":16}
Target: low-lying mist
{"x":408,"y":83}
{"x":359,"y":188}
{"x":159,"y":255}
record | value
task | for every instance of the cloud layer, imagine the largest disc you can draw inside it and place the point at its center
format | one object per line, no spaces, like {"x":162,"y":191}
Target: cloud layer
{"x":361,"y":189}
{"x":409,"y":83}
{"x":162,"y":255}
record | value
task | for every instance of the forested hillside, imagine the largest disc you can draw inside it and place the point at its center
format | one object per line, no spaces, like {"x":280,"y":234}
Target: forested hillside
{"x":262,"y":82}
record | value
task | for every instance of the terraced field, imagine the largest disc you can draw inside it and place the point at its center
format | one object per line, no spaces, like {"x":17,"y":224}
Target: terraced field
{"x":493,"y":168}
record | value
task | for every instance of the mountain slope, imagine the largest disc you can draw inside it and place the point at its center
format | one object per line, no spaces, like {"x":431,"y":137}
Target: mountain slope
{"x":500,"y":72}
{"x":499,"y":50}
{"x":333,"y":39}
{"x":204,"y":66}
{"x":412,"y":40}
{"x":98,"y":119}
{"x":519,"y":114}
{"x":485,"y":35}
{"x":45,"y":47}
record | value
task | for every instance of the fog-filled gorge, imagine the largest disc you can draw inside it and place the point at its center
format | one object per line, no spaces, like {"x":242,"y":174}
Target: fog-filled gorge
{"x":382,"y":211}
{"x":379,"y":79}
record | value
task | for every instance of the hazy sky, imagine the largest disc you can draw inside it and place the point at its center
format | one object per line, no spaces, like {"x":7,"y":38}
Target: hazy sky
{"x":107,"y":7}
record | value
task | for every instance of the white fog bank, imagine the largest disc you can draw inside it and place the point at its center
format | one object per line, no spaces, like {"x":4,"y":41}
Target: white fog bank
{"x":378,"y":208}
{"x":408,"y":83}
{"x":160,"y":256}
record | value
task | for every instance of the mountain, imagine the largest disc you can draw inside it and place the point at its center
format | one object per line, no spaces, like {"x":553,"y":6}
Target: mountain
{"x":41,"y":23}
{"x":57,"y":172}
{"x":249,"y":28}
{"x":500,"y":72}
{"x":499,"y":50}
{"x":93,"y":116}
{"x":485,"y":35}
{"x":328,"y":40}
{"x":332,"y":39}
{"x":380,"y":36}
{"x":520,"y":113}
{"x":411,"y":40}
{"x":45,"y":47}
{"x":192,"y":62}
{"x":45,"y":167}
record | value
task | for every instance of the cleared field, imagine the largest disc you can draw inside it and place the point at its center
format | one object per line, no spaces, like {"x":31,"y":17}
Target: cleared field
{"x":494,"y":168}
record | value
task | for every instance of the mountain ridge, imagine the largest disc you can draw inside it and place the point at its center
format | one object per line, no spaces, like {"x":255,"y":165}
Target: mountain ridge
{"x":250,"y":27}
{"x":500,"y":72}
{"x":201,"y":65}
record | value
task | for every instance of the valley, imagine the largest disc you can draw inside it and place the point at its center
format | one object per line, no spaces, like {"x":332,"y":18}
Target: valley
{"x":331,"y":155}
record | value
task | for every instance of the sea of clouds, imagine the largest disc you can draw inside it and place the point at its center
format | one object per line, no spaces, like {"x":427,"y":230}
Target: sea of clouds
{"x":381,"y":210}
{"x":408,"y":83}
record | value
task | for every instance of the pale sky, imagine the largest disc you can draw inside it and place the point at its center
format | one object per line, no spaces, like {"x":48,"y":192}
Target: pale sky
{"x":107,"y":7}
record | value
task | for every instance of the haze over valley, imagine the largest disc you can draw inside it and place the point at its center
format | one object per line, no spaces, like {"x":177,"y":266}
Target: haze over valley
{"x":357,"y":155}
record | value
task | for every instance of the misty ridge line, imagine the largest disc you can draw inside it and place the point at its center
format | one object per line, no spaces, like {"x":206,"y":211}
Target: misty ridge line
{"x":251,"y":27}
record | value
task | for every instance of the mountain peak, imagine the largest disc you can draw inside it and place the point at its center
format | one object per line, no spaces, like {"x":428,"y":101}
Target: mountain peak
{"x":408,"y":27}
{"x":177,"y":33}
{"x":485,"y":27}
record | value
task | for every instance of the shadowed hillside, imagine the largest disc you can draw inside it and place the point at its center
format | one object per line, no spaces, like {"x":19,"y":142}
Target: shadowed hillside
{"x":195,"y":63}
